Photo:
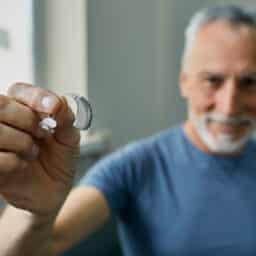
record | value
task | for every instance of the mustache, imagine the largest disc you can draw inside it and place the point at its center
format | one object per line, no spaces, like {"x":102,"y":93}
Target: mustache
{"x":232,"y":120}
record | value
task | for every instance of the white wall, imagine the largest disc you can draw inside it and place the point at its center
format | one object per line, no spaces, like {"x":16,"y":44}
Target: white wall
{"x":16,"y":62}
{"x":61,"y":45}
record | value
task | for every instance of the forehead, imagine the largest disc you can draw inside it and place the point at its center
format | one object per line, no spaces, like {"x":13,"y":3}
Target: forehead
{"x":225,"y":46}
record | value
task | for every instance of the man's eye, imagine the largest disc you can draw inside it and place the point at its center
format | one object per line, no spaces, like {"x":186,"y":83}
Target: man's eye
{"x":248,"y":82}
{"x":214,"y":80}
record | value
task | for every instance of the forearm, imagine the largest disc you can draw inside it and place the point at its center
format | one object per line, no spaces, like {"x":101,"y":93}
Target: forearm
{"x":24,"y":234}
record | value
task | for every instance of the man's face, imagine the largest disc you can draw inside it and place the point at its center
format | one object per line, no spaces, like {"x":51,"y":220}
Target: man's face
{"x":218,"y":80}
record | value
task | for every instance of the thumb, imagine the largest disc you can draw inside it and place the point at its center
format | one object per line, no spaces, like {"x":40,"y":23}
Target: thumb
{"x":65,"y":132}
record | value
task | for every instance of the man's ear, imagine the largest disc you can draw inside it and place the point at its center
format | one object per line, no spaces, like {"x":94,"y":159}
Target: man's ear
{"x":183,"y":79}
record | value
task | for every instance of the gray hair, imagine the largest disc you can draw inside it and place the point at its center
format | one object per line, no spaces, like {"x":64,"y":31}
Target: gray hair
{"x":234,"y":14}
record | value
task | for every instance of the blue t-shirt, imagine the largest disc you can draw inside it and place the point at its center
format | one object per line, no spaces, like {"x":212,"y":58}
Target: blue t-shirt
{"x":170,"y":198}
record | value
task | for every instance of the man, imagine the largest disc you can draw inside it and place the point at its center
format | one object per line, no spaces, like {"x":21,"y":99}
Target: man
{"x":189,"y":190}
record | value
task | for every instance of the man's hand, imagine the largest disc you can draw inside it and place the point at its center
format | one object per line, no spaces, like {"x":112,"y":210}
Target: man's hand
{"x":36,"y":167}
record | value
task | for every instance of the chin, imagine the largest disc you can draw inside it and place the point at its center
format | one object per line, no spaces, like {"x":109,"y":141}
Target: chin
{"x":234,"y":132}
{"x":232,"y":136}
{"x":224,"y":143}
{"x":222,"y":134}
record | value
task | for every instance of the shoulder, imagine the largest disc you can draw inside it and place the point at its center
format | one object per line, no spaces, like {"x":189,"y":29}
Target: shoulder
{"x":133,"y":159}
{"x":252,"y":142}
{"x":251,"y":146}
{"x":141,"y":157}
{"x":126,"y":169}
{"x":150,"y":145}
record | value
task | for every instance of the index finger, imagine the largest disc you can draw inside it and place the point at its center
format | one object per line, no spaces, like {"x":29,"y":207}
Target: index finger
{"x":38,"y":99}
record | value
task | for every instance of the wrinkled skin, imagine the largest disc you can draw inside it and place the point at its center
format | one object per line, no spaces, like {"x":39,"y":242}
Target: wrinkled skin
{"x":218,"y":76}
{"x":38,"y":182}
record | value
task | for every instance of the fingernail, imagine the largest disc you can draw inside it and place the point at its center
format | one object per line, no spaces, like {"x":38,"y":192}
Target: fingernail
{"x":48,"y":102}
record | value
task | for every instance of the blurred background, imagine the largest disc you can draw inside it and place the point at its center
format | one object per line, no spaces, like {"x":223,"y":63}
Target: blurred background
{"x":124,"y":55}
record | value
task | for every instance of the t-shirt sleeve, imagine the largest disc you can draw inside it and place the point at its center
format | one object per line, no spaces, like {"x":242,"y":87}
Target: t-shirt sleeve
{"x":113,"y":176}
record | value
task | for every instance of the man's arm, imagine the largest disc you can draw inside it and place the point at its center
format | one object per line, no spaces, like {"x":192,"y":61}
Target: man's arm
{"x":84,"y":211}
{"x":22,"y":233}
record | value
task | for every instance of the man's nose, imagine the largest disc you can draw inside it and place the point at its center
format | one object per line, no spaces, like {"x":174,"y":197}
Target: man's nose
{"x":228,"y":99}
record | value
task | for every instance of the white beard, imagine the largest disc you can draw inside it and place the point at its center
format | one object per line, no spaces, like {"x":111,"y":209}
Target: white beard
{"x":222,"y":143}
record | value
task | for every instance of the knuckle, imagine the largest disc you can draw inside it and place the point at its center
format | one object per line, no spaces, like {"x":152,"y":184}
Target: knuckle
{"x":32,"y":121}
{"x":4,"y":133}
{"x":9,"y":162}
{"x":27,"y":143}
{"x":13,"y":88}
{"x":15,"y":162}
{"x":4,"y":101}
{"x":2,"y":129}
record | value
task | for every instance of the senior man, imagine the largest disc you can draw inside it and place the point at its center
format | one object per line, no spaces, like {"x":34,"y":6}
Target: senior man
{"x":189,"y":190}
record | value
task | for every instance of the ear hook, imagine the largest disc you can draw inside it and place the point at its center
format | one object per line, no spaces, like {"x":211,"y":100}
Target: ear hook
{"x":84,"y":115}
